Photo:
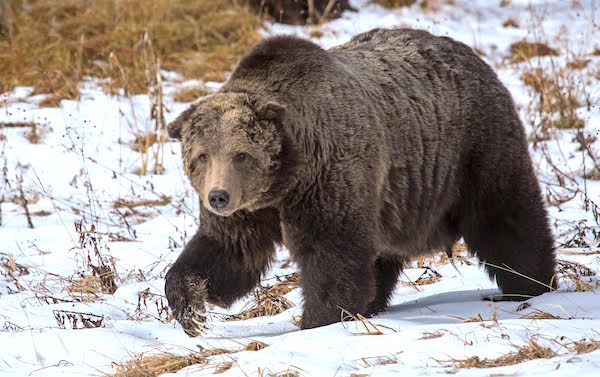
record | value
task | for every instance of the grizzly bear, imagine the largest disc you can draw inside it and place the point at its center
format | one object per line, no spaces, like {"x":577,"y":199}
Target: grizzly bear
{"x":357,"y":159}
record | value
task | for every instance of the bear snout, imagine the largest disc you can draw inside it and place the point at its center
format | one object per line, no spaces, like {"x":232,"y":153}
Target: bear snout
{"x":218,"y":199}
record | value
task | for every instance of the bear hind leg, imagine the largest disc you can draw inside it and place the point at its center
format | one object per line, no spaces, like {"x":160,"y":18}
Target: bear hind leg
{"x":514,"y":242}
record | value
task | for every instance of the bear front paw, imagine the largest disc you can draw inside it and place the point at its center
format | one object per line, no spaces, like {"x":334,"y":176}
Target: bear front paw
{"x":186,"y":293}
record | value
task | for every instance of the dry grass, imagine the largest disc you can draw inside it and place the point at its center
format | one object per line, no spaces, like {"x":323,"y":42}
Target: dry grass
{"x":35,"y":134}
{"x":394,"y":3}
{"x":270,"y":300}
{"x":361,"y":321}
{"x":286,"y":373}
{"x":17,"y":124}
{"x":432,"y":335}
{"x":559,"y":96}
{"x":154,"y":365}
{"x":531,"y":351}
{"x":316,"y":33}
{"x":539,"y":314}
{"x":191,"y":94}
{"x":85,"y":288}
{"x":255,"y":345}
{"x":524,"y":50}
{"x":122,"y":203}
{"x":77,"y":320}
{"x":576,"y":274}
{"x":143,"y":142}
{"x":578,"y":63}
{"x":378,"y":360}
{"x":74,"y":38}
{"x":584,"y":346}
{"x":223,"y":367}
{"x":429,"y":276}
{"x":510,"y":22}
{"x":11,"y":271}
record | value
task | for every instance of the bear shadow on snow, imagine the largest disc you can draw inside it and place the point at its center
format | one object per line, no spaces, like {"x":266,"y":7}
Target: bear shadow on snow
{"x":357,"y":159}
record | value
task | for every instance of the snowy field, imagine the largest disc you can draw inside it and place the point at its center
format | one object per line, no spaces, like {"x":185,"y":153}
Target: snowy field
{"x":74,"y":208}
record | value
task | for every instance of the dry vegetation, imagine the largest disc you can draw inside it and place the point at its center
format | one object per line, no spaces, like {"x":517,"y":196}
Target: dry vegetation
{"x":524,"y":50}
{"x":74,"y":38}
{"x":270,"y":300}
{"x":395,"y":3}
{"x":154,"y":365}
{"x":143,"y":365}
{"x":558,"y":97}
{"x":190,"y":94}
{"x":580,"y":278}
{"x":532,"y":350}
{"x":510,"y":22}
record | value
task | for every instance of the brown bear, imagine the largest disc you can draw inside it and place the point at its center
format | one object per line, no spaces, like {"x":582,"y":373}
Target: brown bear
{"x":357,"y":159}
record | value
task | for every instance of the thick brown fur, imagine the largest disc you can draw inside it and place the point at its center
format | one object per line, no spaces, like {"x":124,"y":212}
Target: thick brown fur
{"x":380,"y":150}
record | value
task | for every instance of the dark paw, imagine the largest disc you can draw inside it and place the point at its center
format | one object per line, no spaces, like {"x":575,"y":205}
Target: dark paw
{"x":186,"y":293}
{"x":376,"y":307}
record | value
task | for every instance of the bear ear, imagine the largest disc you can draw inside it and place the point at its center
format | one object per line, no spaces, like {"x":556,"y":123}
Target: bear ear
{"x":174,"y":128}
{"x":271,"y":111}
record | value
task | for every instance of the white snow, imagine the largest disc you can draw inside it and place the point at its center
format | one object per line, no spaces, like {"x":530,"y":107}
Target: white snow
{"x":84,"y":164}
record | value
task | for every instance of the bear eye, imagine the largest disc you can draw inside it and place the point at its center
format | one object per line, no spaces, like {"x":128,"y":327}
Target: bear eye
{"x":203,"y":157}
{"x":240,"y":157}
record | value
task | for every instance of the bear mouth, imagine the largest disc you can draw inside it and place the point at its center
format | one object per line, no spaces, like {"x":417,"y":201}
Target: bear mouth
{"x":225,"y":212}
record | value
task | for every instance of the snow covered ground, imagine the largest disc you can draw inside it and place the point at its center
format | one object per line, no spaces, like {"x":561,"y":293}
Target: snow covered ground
{"x":83,"y":171}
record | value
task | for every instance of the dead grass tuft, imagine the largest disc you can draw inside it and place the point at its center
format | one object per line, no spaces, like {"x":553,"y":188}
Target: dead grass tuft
{"x":191,"y":94}
{"x":429,"y":276}
{"x":539,"y":314}
{"x":531,"y":351}
{"x":223,"y":367}
{"x":379,"y":360}
{"x":154,"y":365}
{"x":123,"y":203}
{"x":558,"y":97}
{"x":17,"y":124}
{"x":67,"y":319}
{"x":316,"y":33}
{"x":579,"y":63}
{"x":71,"y":39}
{"x":523,"y":50}
{"x":35,"y":134}
{"x":286,"y":373}
{"x":576,"y":274}
{"x":432,"y":335}
{"x":270,"y":300}
{"x":584,"y":346}
{"x":255,"y":345}
{"x":143,"y":142}
{"x":510,"y":22}
{"x":10,"y":270}
{"x":85,"y":288}
{"x":370,"y":327}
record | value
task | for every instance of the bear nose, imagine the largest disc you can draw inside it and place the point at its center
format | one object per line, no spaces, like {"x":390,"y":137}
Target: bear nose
{"x":218,"y":199}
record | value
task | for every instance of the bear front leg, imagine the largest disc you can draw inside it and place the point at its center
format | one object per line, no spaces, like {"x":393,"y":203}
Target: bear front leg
{"x":387,"y":271}
{"x":218,"y":268}
{"x":336,"y":271}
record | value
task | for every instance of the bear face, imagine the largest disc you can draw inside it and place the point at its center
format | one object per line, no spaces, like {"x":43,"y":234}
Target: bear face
{"x":230,"y":150}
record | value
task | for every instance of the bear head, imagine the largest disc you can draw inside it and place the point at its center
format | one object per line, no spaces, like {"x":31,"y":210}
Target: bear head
{"x":230,"y":146}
